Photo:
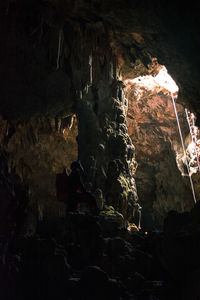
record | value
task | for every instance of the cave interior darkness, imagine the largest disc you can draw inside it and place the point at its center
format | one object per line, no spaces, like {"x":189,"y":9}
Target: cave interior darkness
{"x":94,"y":81}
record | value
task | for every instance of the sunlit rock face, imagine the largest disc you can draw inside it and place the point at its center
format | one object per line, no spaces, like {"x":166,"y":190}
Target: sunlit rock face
{"x":161,"y":177}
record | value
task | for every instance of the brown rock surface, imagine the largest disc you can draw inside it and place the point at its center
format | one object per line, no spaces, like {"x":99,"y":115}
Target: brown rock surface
{"x":153,"y":129}
{"x":37,"y":150}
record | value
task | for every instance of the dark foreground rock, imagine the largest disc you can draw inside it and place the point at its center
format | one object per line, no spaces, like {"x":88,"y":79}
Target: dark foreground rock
{"x":86,"y":262}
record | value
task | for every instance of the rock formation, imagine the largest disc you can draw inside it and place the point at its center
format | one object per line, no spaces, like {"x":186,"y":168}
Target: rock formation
{"x":160,"y":181}
{"x":162,"y":177}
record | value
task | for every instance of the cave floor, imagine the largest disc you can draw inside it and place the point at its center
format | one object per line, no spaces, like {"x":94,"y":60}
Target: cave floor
{"x":83,"y":256}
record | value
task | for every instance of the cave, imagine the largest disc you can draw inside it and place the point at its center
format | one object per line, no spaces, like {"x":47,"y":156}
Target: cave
{"x":90,"y":81}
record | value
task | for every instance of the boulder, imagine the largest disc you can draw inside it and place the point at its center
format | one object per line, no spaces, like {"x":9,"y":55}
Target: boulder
{"x":111,"y":214}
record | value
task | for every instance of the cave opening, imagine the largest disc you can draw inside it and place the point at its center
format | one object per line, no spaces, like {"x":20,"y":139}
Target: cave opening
{"x":163,"y":181}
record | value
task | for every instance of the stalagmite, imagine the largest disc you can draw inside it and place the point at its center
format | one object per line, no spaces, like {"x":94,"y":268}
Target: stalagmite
{"x":90,"y":64}
{"x":139,"y":215}
{"x":138,"y":209}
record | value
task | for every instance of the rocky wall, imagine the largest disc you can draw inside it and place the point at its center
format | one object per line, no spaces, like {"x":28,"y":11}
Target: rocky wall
{"x":161,"y":177}
{"x":36,"y":150}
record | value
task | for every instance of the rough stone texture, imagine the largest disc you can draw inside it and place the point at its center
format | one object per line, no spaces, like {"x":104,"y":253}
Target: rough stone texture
{"x":154,"y":132}
{"x":138,"y":31}
{"x":37,"y":150}
{"x":108,"y":157}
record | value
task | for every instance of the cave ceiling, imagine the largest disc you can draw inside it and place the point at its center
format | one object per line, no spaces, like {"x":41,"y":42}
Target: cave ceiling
{"x":142,"y":34}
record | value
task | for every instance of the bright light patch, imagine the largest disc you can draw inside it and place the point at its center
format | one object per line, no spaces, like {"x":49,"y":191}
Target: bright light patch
{"x":192,"y":158}
{"x":166,"y":81}
{"x":153,"y":84}
{"x":191,"y":149}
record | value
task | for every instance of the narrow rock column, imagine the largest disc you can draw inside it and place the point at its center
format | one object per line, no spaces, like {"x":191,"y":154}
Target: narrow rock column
{"x":105,"y":148}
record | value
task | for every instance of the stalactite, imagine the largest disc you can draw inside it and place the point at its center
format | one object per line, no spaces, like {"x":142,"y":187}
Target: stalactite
{"x":72,"y":121}
{"x":139,"y":215}
{"x":40,"y":212}
{"x":59,"y":49}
